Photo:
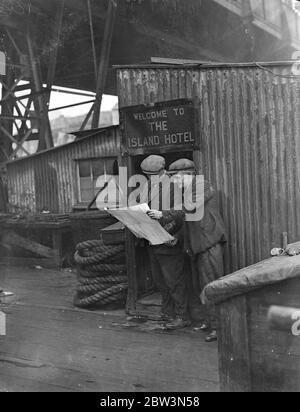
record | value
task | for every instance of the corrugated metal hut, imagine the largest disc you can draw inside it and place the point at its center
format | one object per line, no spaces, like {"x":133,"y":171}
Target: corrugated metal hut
{"x":249,"y":119}
{"x":63,"y":179}
{"x":58,"y":181}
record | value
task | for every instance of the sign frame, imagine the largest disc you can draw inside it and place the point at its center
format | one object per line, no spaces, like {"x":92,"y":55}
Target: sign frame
{"x":160,"y":106}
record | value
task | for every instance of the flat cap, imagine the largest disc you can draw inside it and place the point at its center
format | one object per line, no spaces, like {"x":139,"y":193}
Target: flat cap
{"x":182,"y":165}
{"x":152,"y":165}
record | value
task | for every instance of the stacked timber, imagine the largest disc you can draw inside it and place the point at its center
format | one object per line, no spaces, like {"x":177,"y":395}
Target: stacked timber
{"x":39,"y":217}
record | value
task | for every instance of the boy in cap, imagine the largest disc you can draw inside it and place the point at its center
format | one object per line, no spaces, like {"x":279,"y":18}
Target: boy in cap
{"x":167,"y":261}
{"x":204,"y":240}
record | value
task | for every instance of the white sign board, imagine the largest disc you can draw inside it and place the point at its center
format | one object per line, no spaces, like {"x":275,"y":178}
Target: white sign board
{"x":2,"y":64}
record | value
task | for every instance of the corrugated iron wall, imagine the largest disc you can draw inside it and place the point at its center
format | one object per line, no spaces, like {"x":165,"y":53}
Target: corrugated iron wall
{"x":250,"y":132}
{"x":48,"y":180}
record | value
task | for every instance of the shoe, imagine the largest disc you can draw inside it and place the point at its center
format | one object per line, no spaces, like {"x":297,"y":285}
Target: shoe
{"x":164,"y":317}
{"x":204,"y":327}
{"x":212,"y":337}
{"x":178,"y":323}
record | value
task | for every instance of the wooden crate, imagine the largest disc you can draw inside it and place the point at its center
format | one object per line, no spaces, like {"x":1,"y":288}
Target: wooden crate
{"x":88,"y":225}
{"x":253,"y":357}
{"x":34,"y":242}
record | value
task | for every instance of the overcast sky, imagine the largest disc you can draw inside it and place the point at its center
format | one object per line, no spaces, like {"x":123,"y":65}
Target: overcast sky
{"x":62,"y":99}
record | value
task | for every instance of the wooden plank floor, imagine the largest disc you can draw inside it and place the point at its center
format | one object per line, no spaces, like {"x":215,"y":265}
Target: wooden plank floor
{"x":51,"y":346}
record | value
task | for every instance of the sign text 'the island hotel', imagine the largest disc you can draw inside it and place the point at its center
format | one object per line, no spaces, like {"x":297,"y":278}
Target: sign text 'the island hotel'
{"x":160,"y":127}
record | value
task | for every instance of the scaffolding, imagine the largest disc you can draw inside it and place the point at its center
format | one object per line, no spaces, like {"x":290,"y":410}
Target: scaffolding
{"x":26,"y":88}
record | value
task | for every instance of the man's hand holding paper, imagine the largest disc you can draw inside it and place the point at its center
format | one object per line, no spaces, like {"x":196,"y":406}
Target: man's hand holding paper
{"x":137,"y":220}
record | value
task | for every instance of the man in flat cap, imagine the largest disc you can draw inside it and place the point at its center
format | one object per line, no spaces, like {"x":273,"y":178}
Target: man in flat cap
{"x":203,"y":239}
{"x":167,"y":261}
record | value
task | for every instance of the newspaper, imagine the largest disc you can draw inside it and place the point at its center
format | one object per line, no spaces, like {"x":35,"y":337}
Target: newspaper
{"x":141,"y":225}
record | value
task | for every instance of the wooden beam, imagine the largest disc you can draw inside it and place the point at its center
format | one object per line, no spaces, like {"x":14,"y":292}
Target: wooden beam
{"x":162,"y":60}
{"x":104,"y":60}
{"x":32,"y":94}
{"x":54,"y":52}
{"x":6,"y":155}
{"x":46,"y":140}
{"x":48,"y":263}
{"x":22,"y":87}
{"x":18,"y":50}
{"x":11,"y":238}
{"x":92,"y":38}
{"x":87,"y":118}
{"x":13,"y":139}
{"x":10,"y":90}
{"x":20,"y":145}
{"x":55,"y":45}
{"x":15,"y":117}
{"x":17,"y":108}
{"x":23,"y":126}
{"x":7,"y":109}
{"x":71,"y":105}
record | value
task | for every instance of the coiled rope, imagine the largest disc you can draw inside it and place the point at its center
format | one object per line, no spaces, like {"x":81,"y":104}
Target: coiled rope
{"x":102,"y":278}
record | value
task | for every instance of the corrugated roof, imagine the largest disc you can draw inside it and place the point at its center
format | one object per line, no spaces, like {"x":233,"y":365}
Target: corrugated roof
{"x":204,"y":65}
{"x":84,"y":135}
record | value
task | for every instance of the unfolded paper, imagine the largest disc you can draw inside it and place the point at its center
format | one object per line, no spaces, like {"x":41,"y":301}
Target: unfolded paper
{"x":141,"y":225}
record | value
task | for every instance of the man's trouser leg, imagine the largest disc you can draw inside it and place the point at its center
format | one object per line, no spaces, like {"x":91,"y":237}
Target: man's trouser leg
{"x":196,"y":309}
{"x":210,"y":268}
{"x":172,"y":267}
{"x":159,"y":281}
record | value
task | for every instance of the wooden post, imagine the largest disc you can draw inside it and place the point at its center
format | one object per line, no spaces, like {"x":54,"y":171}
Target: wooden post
{"x":7,"y":111}
{"x":131,"y":258}
{"x":104,"y":60}
{"x":234,"y":346}
{"x":284,"y":240}
{"x":92,"y":39}
{"x":54,"y":50}
{"x":45,"y":134}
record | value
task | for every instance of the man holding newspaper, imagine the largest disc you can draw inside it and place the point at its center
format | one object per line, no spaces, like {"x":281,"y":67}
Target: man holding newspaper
{"x":167,"y":260}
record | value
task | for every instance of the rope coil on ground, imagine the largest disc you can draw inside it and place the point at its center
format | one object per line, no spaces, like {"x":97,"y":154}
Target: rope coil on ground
{"x":102,"y":281}
{"x":101,"y":255}
{"x":102,"y":278}
{"x":104,"y":297}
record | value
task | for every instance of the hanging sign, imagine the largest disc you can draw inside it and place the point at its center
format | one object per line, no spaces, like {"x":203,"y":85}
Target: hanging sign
{"x":169,"y":125}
